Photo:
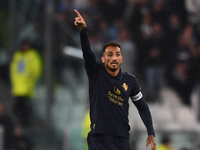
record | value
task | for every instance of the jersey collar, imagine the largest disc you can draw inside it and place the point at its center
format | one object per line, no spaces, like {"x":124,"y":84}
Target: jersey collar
{"x":118,"y":76}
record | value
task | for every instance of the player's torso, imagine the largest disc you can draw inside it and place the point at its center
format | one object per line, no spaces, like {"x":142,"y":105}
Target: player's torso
{"x":109,"y":97}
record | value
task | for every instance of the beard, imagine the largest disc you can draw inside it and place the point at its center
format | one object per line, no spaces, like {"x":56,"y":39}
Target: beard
{"x":112,"y":69}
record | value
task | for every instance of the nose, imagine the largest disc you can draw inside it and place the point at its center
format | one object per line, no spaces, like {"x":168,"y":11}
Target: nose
{"x":114,"y":57}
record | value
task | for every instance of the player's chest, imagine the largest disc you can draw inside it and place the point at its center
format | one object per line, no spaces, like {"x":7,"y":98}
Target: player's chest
{"x":116,"y":87}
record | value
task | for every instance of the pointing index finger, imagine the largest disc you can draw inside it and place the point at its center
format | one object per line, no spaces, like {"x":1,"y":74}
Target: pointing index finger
{"x":77,"y":13}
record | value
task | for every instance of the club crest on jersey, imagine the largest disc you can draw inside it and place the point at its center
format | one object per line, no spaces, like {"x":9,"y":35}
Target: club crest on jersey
{"x":117,"y":91}
{"x":125,"y":86}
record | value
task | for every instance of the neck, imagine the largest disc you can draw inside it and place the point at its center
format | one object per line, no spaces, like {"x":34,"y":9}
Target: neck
{"x":113,"y":73}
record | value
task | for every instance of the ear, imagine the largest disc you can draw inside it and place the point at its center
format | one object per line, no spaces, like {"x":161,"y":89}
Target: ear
{"x":122,"y":59}
{"x":102,"y":59}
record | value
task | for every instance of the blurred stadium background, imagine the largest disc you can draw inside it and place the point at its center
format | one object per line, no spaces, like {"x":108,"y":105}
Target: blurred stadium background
{"x":152,"y":34}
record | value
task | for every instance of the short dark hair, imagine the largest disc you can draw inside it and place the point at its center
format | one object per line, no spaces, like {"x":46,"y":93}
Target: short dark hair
{"x":25,"y":41}
{"x":111,"y":43}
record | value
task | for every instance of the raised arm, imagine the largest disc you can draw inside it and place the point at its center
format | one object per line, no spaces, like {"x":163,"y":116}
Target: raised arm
{"x":88,"y":54}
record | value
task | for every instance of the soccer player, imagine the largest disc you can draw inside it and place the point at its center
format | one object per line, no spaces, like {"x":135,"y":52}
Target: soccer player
{"x":109,"y":91}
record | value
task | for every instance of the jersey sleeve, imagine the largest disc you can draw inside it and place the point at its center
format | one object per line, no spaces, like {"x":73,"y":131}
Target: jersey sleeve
{"x":136,"y":93}
{"x":88,"y":54}
{"x":143,"y":109}
{"x":145,"y":115}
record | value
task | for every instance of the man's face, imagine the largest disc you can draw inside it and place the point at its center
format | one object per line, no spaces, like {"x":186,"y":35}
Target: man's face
{"x":112,"y":58}
{"x":25,"y":46}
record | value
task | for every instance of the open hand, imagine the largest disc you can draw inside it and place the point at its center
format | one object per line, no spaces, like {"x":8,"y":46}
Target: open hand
{"x":151,"y":140}
{"x":79,"y":21}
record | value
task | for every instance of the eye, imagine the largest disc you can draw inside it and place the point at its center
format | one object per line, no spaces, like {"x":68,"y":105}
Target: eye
{"x":118,"y":54}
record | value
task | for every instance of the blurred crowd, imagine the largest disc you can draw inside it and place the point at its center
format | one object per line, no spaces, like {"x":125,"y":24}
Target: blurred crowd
{"x":159,"y":38}
{"x":13,"y":134}
{"x":160,"y":42}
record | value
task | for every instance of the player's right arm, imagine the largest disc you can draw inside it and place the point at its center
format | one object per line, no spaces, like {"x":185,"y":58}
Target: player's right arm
{"x":88,"y":54}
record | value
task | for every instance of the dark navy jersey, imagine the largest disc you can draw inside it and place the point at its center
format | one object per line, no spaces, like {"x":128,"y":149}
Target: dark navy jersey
{"x":109,"y":96}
